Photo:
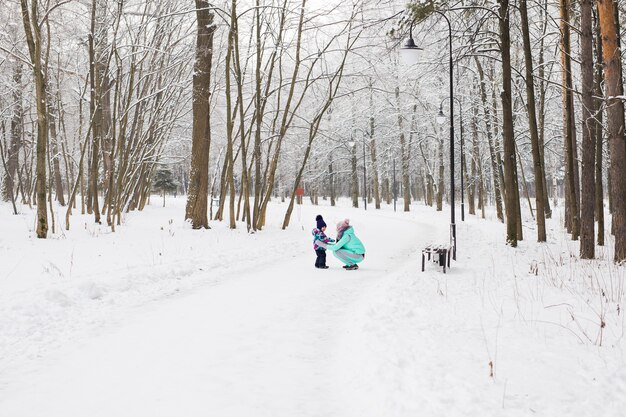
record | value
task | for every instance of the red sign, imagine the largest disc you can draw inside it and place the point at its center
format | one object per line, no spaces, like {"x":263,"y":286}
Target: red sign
{"x":300,"y":192}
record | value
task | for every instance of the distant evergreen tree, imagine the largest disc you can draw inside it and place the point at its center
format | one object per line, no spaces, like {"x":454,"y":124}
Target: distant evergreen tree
{"x":164,"y":182}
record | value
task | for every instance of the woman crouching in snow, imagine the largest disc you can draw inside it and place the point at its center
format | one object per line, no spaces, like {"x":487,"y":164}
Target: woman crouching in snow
{"x":349,"y":249}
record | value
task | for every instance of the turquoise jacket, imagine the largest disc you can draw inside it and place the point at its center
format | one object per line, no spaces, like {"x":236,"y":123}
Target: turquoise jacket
{"x":349,"y":242}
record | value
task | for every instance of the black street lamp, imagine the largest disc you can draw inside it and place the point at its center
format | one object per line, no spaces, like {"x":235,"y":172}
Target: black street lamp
{"x":406,"y":49}
{"x":441,"y":118}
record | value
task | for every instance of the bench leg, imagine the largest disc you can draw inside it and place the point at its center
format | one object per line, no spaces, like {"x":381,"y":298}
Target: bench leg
{"x":422,"y":261}
{"x":442,"y":258}
{"x":448,"y":259}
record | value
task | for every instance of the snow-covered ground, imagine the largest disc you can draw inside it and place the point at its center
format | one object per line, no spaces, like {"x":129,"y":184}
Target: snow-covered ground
{"x":157,"y":319}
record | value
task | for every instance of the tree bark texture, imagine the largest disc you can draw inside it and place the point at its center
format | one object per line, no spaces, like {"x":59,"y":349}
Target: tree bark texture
{"x":599,"y":131}
{"x":615,"y":118}
{"x":196,"y":209}
{"x":373,"y":151}
{"x":588,"y":194}
{"x":542,"y":105}
{"x":33,"y":39}
{"x":510,"y":168}
{"x":568,"y":123}
{"x":540,"y":194}
{"x":492,"y":151}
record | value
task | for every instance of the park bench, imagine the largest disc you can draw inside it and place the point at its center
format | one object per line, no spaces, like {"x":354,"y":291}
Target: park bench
{"x":440,"y":254}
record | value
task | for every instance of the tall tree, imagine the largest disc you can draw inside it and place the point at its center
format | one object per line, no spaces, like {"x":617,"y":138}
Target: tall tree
{"x":245,"y":183}
{"x":599,"y":130}
{"x":288,"y":113}
{"x":95,"y":106}
{"x":354,"y":177}
{"x":571,"y":167}
{"x":611,"y":54}
{"x":373,"y":155}
{"x":543,"y":86}
{"x":587,"y":217}
{"x":196,"y":209}
{"x":17,"y":120}
{"x":404,"y":156}
{"x":540,"y":194}
{"x":510,"y":161}
{"x":32,"y":29}
{"x":492,"y":151}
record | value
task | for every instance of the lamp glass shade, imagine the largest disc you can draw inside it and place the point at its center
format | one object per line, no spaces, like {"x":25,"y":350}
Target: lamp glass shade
{"x":351,"y":143}
{"x":441,"y":118}
{"x":409,"y":52}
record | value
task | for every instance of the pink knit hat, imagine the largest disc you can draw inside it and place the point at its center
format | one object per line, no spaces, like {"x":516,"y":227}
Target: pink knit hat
{"x":343,"y":225}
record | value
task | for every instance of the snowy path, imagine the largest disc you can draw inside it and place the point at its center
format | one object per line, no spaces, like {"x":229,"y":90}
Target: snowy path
{"x":160,"y":320}
{"x":260,"y":341}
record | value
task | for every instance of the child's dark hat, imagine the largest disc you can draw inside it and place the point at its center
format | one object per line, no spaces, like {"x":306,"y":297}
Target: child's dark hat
{"x":320,"y":221}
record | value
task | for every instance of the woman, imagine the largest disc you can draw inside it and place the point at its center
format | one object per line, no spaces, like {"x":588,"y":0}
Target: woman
{"x":349,"y":249}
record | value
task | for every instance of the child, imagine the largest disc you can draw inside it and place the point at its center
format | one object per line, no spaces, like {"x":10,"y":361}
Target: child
{"x":318,"y":234}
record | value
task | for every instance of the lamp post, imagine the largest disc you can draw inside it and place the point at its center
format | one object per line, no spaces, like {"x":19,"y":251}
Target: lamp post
{"x":407,"y":48}
{"x":441,"y":118}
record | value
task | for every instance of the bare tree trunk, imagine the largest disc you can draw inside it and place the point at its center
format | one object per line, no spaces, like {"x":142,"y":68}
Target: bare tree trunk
{"x":568,"y":111}
{"x":96,"y":115}
{"x":499,"y":149}
{"x":196,"y":209}
{"x":471,"y":184}
{"x":259,"y":103}
{"x":429,"y":193}
{"x":492,"y":151}
{"x":373,"y":150}
{"x":50,"y":186}
{"x":542,"y":105}
{"x":219,"y":215}
{"x":476,"y":167}
{"x":538,"y":163}
{"x":587,"y":217}
{"x":17,"y":119}
{"x":615,"y":115}
{"x":286,"y":119}
{"x":6,"y":171}
{"x":56,"y":165}
{"x":404,"y":158}
{"x":79,"y":179}
{"x":386,"y":190}
{"x":599,"y":134}
{"x":238,"y":75}
{"x":510,"y":169}
{"x":32,"y":29}
{"x":440,"y":177}
{"x":103,"y":103}
{"x":524,"y":184}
